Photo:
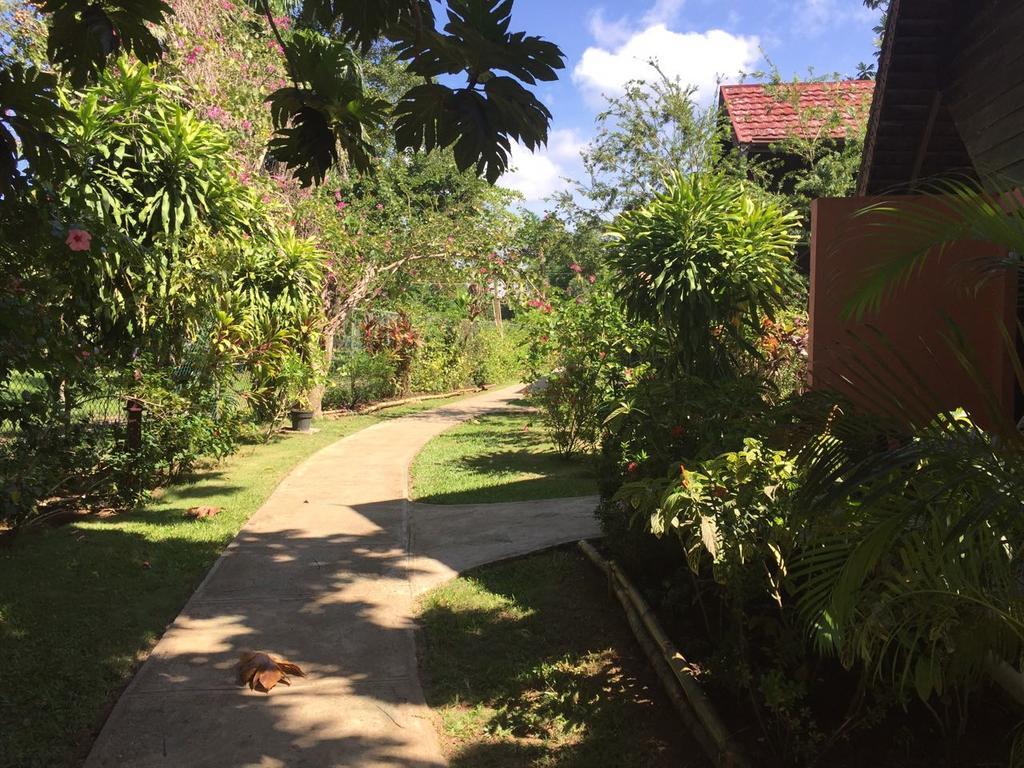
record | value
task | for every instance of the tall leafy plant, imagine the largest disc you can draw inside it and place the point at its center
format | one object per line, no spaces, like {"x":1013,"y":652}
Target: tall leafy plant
{"x":707,"y":260}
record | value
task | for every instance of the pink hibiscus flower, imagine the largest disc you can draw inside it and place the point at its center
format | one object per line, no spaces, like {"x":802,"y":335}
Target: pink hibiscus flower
{"x":78,"y":240}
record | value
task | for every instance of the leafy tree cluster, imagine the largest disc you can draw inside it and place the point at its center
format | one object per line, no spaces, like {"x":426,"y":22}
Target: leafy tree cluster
{"x":325,"y":113}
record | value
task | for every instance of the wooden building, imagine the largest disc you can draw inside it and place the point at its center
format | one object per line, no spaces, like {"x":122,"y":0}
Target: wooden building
{"x":949,"y":95}
{"x":949,"y":100}
{"x":761,"y":117}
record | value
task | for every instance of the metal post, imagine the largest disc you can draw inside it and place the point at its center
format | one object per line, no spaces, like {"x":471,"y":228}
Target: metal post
{"x":133,"y":436}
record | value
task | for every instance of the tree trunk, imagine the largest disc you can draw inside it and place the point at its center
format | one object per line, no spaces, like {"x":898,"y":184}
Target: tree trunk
{"x":316,"y":395}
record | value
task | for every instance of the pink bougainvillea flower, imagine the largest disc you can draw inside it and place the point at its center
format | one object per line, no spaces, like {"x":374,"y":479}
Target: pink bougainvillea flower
{"x":341,"y":205}
{"x":575,"y":267}
{"x":380,"y":207}
{"x":591,"y":279}
{"x":246,"y":125}
{"x":78,"y":240}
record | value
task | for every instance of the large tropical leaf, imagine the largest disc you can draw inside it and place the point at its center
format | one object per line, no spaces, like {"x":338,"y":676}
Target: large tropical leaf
{"x":83,"y":35}
{"x":29,"y":116}
{"x":327,"y":108}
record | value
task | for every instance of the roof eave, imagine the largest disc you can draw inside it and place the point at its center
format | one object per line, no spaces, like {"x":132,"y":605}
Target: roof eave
{"x":884,"y":64}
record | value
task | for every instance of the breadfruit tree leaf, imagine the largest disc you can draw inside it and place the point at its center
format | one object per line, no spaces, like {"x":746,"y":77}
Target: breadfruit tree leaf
{"x":482,"y":119}
{"x":328,"y":107}
{"x":29,"y":113}
{"x":83,"y":35}
{"x":362,"y":23}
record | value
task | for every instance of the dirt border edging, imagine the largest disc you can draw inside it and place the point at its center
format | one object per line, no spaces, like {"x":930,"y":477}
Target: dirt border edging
{"x":671,"y":666}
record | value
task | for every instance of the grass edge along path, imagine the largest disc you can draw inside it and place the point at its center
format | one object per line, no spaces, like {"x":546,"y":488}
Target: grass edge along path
{"x":82,"y":605}
{"x":530,"y":662}
{"x":501,"y":456}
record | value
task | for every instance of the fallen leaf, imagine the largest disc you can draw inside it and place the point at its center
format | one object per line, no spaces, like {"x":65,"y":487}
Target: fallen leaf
{"x":261,"y":671}
{"x":198,"y":513}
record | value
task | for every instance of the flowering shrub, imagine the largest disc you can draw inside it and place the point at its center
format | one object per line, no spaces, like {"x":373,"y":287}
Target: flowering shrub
{"x":730,"y":513}
{"x":584,"y":348}
{"x":397,"y":337}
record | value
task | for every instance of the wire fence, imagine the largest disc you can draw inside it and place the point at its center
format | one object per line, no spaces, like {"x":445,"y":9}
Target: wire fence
{"x":28,"y":397}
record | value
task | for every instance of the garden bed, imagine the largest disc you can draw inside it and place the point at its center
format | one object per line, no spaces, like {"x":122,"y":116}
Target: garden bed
{"x":529,"y":662}
{"x":836,"y":723}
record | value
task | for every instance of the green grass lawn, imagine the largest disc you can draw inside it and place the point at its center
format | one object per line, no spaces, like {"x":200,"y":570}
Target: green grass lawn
{"x":531,"y":663}
{"x":82,"y":604}
{"x":498,"y":457}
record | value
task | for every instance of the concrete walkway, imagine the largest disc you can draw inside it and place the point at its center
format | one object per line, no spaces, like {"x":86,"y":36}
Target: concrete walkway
{"x":324,"y":574}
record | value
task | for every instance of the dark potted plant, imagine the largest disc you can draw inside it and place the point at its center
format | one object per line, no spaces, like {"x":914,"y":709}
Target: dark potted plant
{"x":297,"y":380}
{"x":301,"y":415}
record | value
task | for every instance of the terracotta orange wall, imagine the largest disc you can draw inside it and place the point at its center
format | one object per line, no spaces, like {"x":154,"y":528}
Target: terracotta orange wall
{"x":905,"y":340}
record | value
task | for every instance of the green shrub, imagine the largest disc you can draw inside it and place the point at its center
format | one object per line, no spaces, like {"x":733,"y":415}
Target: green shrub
{"x":730,"y":514}
{"x":360,"y":377}
{"x":706,"y":261}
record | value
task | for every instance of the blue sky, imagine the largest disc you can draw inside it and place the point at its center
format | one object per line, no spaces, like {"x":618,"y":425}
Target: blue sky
{"x":700,"y":40}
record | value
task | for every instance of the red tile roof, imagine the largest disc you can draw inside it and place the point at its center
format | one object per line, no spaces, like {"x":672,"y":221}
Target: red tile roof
{"x":763,"y":115}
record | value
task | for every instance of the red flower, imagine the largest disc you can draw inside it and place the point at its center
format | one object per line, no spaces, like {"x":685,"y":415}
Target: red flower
{"x":576,"y":268}
{"x":78,"y":240}
{"x":591,"y":279}
{"x":677,"y":431}
{"x":632,"y":467}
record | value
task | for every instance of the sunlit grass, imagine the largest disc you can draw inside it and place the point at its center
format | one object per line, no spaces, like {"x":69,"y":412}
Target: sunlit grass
{"x":530,"y":663}
{"x":498,"y":457}
{"x":80,"y":605}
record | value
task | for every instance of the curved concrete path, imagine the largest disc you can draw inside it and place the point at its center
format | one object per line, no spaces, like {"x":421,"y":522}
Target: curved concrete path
{"x":324,"y":574}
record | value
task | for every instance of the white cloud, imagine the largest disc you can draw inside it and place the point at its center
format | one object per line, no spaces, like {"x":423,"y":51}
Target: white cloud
{"x":700,"y":59}
{"x":609,"y":32}
{"x":818,"y":15}
{"x":663,"y":12}
{"x":538,"y":175}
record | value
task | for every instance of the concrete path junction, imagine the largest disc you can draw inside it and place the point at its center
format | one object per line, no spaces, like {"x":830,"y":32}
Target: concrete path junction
{"x":325,"y":574}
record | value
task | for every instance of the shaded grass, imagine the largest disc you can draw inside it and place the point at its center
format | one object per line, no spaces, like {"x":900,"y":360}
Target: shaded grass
{"x":503,"y":456}
{"x":82,"y":604}
{"x":530,"y":663}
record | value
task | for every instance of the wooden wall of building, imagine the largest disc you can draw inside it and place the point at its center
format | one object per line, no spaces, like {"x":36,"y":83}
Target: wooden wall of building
{"x":985,"y":90}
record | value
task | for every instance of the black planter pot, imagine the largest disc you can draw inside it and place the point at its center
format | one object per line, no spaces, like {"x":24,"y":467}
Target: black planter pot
{"x":301,"y":420}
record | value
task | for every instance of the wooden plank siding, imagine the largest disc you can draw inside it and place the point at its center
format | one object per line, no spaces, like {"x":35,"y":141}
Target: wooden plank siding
{"x":986,"y":88}
{"x":950,"y":95}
